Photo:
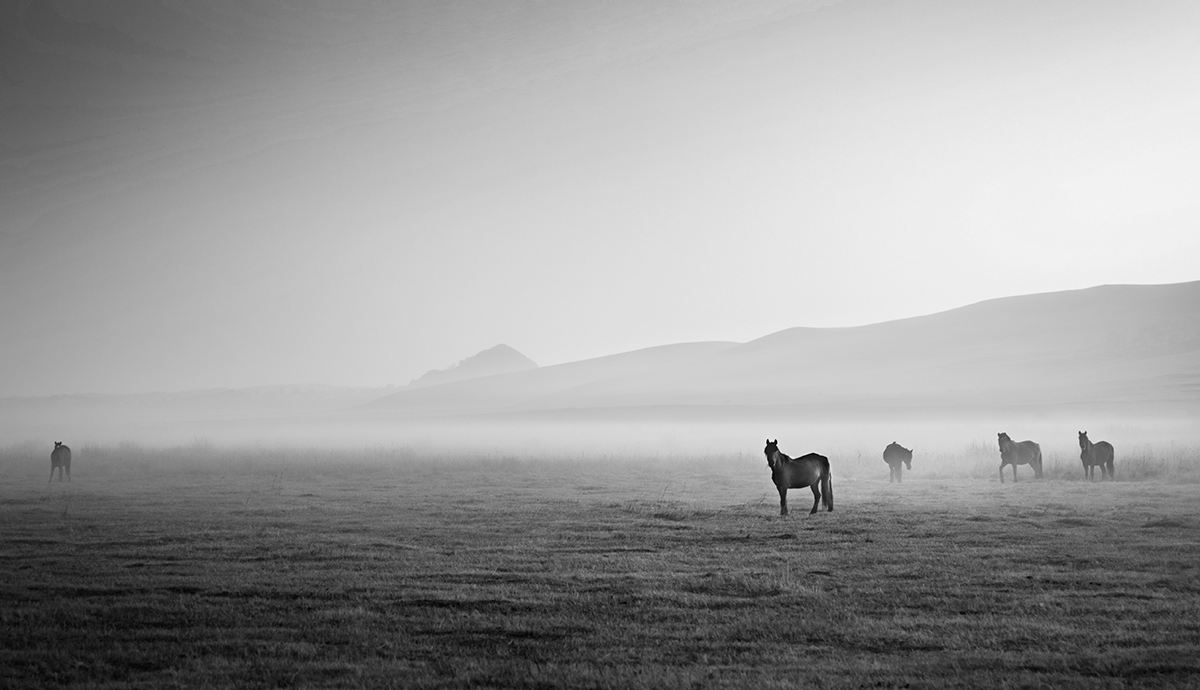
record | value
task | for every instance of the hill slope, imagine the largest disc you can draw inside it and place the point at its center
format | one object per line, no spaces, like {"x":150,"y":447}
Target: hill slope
{"x":1109,"y":345}
{"x":500,"y":359}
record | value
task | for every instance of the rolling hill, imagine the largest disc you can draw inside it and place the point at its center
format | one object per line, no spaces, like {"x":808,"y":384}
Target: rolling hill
{"x":1116,"y":352}
{"x":1114,"y":345}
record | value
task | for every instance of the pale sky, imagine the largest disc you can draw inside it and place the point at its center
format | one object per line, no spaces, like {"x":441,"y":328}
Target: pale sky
{"x":199,"y":195}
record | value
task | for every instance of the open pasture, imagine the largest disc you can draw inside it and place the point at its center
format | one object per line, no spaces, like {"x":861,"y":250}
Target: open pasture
{"x":248,"y":569}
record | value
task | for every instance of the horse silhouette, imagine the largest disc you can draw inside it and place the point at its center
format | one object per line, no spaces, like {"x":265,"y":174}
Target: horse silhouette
{"x":1019,"y":453}
{"x":810,"y":470}
{"x":60,"y":459}
{"x":896,"y":455}
{"x":1093,"y":455}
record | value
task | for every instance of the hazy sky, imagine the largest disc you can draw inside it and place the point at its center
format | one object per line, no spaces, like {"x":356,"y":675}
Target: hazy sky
{"x":206,"y":194}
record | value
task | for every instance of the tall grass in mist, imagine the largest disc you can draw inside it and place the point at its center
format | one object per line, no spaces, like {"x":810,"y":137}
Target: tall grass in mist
{"x":1144,"y":462}
{"x":201,"y":457}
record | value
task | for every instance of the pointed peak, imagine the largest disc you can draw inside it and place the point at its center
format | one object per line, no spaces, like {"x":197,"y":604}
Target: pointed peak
{"x":500,"y":359}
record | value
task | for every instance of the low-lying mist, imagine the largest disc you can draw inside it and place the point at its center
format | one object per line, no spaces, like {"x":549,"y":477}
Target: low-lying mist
{"x":1145,"y":449}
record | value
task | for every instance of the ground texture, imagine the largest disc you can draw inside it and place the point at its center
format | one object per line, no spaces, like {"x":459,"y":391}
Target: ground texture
{"x":588,"y":573}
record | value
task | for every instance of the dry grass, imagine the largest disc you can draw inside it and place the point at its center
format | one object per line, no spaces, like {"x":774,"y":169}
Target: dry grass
{"x":244,"y":568}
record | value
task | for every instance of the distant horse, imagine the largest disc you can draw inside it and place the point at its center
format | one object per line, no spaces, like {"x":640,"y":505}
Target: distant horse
{"x":1093,"y":455}
{"x":60,"y":459}
{"x":811,"y":470}
{"x":1022,"y":453}
{"x":896,"y":455}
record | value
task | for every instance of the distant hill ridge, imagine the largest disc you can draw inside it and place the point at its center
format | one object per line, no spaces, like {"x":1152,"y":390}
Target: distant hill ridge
{"x":1132,"y":346}
{"x":1132,"y":349}
{"x":500,"y":359}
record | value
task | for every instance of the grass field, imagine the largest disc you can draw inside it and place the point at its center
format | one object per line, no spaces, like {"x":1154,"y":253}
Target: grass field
{"x":317,"y":569}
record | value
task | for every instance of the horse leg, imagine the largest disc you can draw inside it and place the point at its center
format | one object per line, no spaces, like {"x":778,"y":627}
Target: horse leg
{"x":783,"y":500}
{"x":891,"y":474}
{"x":68,"y":473}
{"x":1002,"y":472}
{"x":827,"y":487}
{"x":816,"y":496}
{"x":1014,"y":474}
{"x":51,"y":474}
{"x":899,"y":474}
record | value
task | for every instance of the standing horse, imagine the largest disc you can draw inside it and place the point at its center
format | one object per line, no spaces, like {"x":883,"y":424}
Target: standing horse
{"x":1093,"y":455}
{"x":896,"y":455}
{"x":60,"y":459}
{"x":811,"y":470}
{"x":1022,"y":453}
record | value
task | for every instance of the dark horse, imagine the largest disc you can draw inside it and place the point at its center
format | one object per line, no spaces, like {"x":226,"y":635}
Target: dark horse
{"x":1022,"y":453}
{"x":60,"y":459}
{"x":896,"y":455}
{"x":1093,"y":455}
{"x":811,"y":470}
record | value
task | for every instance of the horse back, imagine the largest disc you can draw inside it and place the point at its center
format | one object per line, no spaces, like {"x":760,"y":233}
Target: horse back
{"x":1027,"y":451}
{"x":60,"y":456}
{"x":805,"y":470}
{"x":896,"y":453}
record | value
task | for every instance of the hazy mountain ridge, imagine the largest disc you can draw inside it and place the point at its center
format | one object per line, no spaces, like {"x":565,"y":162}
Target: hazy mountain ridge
{"x":1125,"y":350}
{"x":501,"y":391}
{"x":500,"y":359}
{"x":1117,"y":344}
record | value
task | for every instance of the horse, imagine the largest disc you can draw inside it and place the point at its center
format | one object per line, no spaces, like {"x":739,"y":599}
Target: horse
{"x":1093,"y":455}
{"x":811,"y":470}
{"x":60,"y":459}
{"x":1022,"y":453}
{"x":895,"y":455}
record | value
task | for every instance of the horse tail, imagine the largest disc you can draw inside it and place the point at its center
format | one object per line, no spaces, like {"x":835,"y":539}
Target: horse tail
{"x":827,"y":486}
{"x":1039,"y":460}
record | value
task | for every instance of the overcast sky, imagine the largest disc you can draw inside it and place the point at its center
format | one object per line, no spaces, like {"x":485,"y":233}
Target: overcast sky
{"x":227,"y":194}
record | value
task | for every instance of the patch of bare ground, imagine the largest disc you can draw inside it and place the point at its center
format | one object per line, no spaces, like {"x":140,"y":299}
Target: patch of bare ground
{"x":573,"y":574}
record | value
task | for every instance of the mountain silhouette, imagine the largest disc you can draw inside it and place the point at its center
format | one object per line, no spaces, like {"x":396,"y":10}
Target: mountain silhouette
{"x":500,"y":359}
{"x":1124,"y":346}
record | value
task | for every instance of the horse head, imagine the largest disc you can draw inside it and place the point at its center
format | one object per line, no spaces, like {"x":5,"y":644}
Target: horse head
{"x":770,"y":451}
{"x":1083,"y":441}
{"x":1004,"y":440}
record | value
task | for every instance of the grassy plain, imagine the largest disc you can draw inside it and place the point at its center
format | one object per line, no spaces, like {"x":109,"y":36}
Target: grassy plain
{"x":245,"y":568}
